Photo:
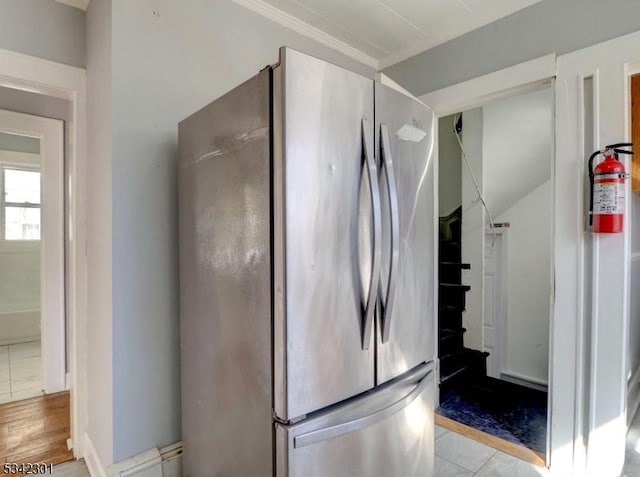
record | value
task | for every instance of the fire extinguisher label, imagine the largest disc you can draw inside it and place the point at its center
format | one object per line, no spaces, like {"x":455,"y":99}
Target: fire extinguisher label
{"x":608,"y":198}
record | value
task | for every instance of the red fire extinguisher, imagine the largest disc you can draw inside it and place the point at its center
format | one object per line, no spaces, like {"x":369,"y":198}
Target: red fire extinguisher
{"x":607,"y":180}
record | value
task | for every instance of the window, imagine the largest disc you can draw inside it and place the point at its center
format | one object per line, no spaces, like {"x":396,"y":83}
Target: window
{"x":21,"y":203}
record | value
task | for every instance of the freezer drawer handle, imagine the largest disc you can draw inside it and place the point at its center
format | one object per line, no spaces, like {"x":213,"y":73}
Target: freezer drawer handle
{"x":392,"y":191}
{"x":372,"y":176}
{"x":364,"y":422}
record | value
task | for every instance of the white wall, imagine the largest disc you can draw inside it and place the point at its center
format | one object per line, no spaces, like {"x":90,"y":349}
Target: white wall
{"x":633,"y":354}
{"x":153,"y":64}
{"x":19,"y":277}
{"x":19,"y":262}
{"x":43,"y":28}
{"x":100,"y":353}
{"x":528,"y":285}
{"x":508,"y":143}
{"x":473,"y":227}
{"x":449,"y":167}
{"x":517,"y":146}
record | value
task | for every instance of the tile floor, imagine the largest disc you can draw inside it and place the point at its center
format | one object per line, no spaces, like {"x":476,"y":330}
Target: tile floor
{"x":76,"y":468}
{"x":459,"y":456}
{"x":632,"y":461}
{"x":20,"y":371}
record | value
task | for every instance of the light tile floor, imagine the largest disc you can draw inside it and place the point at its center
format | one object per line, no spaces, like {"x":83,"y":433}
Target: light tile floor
{"x":459,"y":456}
{"x":632,"y":461}
{"x":455,"y":457}
{"x":20,"y":371}
{"x":76,"y":468}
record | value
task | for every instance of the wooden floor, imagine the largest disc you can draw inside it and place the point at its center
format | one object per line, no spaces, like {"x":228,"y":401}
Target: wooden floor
{"x":36,"y":430}
{"x":507,"y":447}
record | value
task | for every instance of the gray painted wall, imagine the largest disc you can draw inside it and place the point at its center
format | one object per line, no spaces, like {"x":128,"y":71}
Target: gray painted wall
{"x":17,"y":143}
{"x":43,"y":28}
{"x":473,"y":228}
{"x":33,"y":103}
{"x":550,"y":26}
{"x":449,"y":167}
{"x":100,"y":351}
{"x":150,"y":64}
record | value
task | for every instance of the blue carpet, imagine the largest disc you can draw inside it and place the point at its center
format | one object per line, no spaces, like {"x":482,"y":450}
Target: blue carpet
{"x":514,"y":413}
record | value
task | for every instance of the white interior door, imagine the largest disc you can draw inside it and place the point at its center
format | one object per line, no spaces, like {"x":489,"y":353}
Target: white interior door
{"x":494,"y":303}
{"x":51,"y":235}
{"x":592,"y":278}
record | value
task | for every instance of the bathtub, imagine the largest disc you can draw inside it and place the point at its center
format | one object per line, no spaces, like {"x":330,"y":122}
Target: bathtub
{"x":19,"y":326}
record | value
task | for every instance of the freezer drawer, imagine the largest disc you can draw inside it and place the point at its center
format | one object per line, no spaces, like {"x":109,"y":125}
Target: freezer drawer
{"x":386,"y":432}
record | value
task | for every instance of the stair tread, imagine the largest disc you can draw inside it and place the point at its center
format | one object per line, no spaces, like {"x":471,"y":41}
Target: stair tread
{"x":465,"y":266}
{"x":458,"y":362}
{"x":452,"y":308}
{"x":456,"y":285}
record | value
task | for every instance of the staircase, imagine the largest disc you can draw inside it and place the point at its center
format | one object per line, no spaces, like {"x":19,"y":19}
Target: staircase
{"x":458,"y":365}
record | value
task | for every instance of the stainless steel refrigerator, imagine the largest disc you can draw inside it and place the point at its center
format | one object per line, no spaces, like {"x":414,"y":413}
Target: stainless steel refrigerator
{"x":307,"y":278}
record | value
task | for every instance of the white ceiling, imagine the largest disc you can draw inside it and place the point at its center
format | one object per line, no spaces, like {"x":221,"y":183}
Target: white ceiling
{"x":378,"y":32}
{"x":387,"y":31}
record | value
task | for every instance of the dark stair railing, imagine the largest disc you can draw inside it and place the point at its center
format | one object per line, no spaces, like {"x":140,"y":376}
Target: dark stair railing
{"x":458,"y":365}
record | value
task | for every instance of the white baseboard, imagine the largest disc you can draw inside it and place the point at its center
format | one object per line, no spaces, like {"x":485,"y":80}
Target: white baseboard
{"x":146,"y":464}
{"x":165,"y":462}
{"x":172,"y":460}
{"x":91,"y":459}
{"x":633,"y":395}
{"x":523,"y":380}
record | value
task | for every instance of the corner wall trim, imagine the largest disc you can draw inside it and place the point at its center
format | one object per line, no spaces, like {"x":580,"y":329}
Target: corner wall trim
{"x":95,"y":467}
{"x":303,"y":28}
{"x":80,"y":4}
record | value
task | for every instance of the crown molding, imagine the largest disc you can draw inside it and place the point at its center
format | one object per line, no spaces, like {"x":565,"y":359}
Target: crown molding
{"x":303,"y":28}
{"x":81,"y":4}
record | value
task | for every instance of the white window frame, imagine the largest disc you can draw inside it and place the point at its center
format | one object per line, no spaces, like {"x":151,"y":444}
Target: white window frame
{"x":4,"y":204}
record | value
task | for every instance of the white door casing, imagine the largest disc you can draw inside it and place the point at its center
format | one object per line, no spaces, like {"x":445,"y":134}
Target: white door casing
{"x":52,"y":279}
{"x":469,"y":94}
{"x":24,"y":72}
{"x":592,"y":273}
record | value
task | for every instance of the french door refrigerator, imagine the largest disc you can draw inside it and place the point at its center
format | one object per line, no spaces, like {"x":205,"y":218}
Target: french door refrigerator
{"x":307,"y":278}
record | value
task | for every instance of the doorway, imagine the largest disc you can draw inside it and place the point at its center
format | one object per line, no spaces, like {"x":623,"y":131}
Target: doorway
{"x":32,"y":321}
{"x":34,"y":404}
{"x":495,"y":182}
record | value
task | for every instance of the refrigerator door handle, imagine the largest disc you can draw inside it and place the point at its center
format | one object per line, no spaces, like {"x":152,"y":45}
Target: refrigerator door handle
{"x":374,"y":190}
{"x":392,"y":191}
{"x":421,"y":375}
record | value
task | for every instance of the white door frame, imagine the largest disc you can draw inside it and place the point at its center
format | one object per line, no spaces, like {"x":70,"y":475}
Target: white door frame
{"x":50,"y":132}
{"x":44,"y":77}
{"x":476,"y":92}
{"x":602,"y":261}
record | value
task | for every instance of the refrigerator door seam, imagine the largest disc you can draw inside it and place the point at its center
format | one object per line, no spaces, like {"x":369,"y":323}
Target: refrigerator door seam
{"x":374,"y":190}
{"x":392,"y":191}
